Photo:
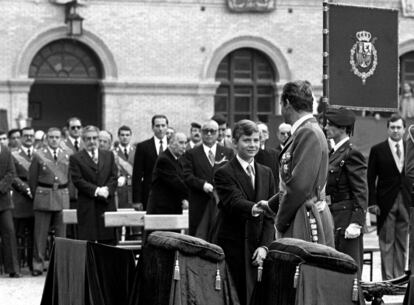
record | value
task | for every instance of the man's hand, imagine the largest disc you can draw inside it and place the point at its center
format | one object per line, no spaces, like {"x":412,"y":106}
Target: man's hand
{"x":121,"y":181}
{"x":29,"y":193}
{"x":374,"y":209}
{"x":352,"y":231}
{"x":103,"y":192}
{"x":259,"y":256}
{"x":138,"y":206}
{"x":263,"y":206}
{"x":185,"y":204}
{"x":207,"y":187}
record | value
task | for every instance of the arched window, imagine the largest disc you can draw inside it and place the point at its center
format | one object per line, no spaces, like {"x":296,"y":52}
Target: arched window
{"x":247,"y":86}
{"x":65,"y":59}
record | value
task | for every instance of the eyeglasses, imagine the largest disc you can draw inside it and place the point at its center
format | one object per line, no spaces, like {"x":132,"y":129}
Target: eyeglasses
{"x":207,"y":131}
{"x":75,"y":127}
{"x":284,"y":133}
{"x":90,"y":138}
{"x":28,"y":135}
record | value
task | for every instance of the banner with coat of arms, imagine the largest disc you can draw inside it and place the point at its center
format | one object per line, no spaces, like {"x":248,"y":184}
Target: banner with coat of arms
{"x":363,"y":58}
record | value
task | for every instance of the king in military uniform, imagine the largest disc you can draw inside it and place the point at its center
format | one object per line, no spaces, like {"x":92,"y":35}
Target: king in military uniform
{"x":48,"y":179}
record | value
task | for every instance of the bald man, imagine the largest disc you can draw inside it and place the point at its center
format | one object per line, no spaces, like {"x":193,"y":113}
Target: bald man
{"x":169,"y":193}
{"x":199,"y":165}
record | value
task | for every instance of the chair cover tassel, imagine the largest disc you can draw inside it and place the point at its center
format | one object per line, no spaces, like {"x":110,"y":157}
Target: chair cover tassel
{"x":218,"y":279}
{"x":176,"y":268}
{"x":259,"y":272}
{"x":296,"y":277}
{"x":355,"y":290}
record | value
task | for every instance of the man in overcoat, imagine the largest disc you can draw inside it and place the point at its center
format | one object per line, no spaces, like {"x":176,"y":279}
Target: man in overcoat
{"x":94,"y":173}
{"x":7,"y":233}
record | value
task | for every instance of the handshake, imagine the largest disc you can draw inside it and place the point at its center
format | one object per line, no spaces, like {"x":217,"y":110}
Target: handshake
{"x":262,"y":207}
{"x":102,"y":191}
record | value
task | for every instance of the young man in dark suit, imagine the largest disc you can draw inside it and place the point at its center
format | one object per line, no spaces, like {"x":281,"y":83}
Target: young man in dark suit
{"x":199,"y":165}
{"x":94,"y":173}
{"x":146,"y":154}
{"x":7,"y":233}
{"x":244,"y":233}
{"x":169,"y":193}
{"x":389,"y":194}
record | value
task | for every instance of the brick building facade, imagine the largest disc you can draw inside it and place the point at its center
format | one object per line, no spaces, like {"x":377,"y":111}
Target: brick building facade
{"x":160,"y":56}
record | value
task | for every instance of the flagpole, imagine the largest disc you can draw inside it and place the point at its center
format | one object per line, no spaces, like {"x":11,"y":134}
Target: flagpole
{"x":325,"y":57}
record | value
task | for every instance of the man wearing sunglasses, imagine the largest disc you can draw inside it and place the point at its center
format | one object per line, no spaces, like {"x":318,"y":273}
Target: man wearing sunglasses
{"x":94,"y":173}
{"x":72,"y":144}
{"x":199,"y":165}
{"x":22,"y":196}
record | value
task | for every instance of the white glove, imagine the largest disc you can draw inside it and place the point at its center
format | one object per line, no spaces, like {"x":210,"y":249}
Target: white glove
{"x":121,"y":181}
{"x":353,"y":231}
{"x":320,"y":205}
{"x":207,"y":187}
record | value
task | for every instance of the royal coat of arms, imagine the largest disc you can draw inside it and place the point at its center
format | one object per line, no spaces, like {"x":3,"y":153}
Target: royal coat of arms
{"x":364,"y":58}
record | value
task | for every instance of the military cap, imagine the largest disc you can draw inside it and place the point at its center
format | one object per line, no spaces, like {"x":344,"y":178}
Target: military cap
{"x":340,"y":117}
{"x":195,"y":125}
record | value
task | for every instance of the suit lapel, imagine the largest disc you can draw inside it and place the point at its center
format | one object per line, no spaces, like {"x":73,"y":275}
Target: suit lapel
{"x":203,"y":160}
{"x":88,"y":160}
{"x":244,"y":180}
{"x":388,"y":151}
{"x":101,"y":160}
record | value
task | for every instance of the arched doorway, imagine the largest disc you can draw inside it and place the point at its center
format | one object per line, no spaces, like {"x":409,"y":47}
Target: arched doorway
{"x":67,"y":75}
{"x":247,"y":86}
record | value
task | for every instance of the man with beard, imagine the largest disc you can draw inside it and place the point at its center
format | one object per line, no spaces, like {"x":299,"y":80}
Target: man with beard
{"x":303,"y":172}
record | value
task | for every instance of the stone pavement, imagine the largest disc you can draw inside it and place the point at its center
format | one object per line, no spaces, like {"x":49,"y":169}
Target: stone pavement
{"x":28,"y":290}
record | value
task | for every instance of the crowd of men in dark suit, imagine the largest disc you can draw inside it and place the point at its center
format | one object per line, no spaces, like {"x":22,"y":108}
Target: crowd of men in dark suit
{"x":240,"y":193}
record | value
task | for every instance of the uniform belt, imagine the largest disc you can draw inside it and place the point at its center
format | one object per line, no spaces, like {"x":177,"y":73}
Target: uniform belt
{"x":342,"y":206}
{"x":340,"y":197}
{"x":53,"y":186}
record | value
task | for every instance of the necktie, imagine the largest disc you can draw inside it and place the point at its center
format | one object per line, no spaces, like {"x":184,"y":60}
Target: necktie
{"x":94,"y":156}
{"x":398,"y":151}
{"x":250,"y":172}
{"x":126,"y":153}
{"x":211,"y":157}
{"x":76,"y":144}
{"x":29,"y":153}
{"x":54,"y":155}
{"x":331,"y":151}
{"x":161,"y":148}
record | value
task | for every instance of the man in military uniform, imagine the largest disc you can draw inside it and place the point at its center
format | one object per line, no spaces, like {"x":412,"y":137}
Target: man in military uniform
{"x":347,"y":185}
{"x":126,"y":153}
{"x":303,"y":172}
{"x":48,"y":180}
{"x":22,"y":196}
